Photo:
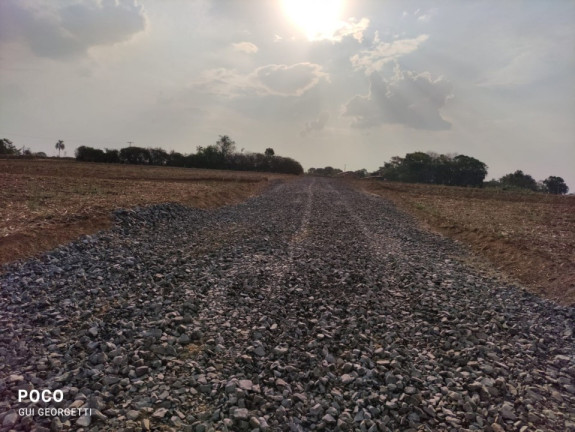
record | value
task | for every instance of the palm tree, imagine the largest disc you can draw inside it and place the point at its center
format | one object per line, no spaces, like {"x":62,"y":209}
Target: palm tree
{"x":60,"y":146}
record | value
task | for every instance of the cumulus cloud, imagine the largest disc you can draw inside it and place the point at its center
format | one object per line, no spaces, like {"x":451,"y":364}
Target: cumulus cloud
{"x":245,"y":47}
{"x":68,"y":31}
{"x":316,"y":124}
{"x":413,"y":100}
{"x":384,"y":52}
{"x":274,"y":79}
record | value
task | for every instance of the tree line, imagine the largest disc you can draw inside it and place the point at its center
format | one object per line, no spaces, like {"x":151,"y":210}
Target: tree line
{"x":433,"y":168}
{"x":450,"y":170}
{"x":222,"y":155}
{"x":7,"y":147}
{"x":519,"y":180}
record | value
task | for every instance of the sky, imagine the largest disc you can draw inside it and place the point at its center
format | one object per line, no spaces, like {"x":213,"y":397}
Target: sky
{"x":339,"y":83}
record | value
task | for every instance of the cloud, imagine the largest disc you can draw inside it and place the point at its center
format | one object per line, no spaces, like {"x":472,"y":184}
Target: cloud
{"x":351,"y":27}
{"x":71,"y":30}
{"x":245,"y":47}
{"x":540,"y":61}
{"x":413,"y":100}
{"x":274,"y":79}
{"x":291,"y":80}
{"x":316,"y":124}
{"x":425,"y":16}
{"x":384,"y":52}
{"x":222,"y":82}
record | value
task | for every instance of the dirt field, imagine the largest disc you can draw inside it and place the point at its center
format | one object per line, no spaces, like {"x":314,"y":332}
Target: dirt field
{"x":529,"y":236}
{"x":44,"y":203}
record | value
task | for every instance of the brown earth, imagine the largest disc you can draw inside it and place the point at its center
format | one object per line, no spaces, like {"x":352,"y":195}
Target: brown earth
{"x":527,"y":236}
{"x":45,"y":203}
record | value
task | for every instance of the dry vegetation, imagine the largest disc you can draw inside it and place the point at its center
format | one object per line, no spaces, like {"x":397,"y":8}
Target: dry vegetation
{"x":529,"y":236}
{"x":44,"y":203}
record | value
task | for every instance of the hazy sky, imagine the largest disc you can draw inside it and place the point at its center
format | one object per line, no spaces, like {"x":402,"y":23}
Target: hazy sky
{"x":341,"y":83}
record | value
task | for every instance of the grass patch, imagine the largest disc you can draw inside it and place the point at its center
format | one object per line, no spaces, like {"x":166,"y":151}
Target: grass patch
{"x":529,"y":236}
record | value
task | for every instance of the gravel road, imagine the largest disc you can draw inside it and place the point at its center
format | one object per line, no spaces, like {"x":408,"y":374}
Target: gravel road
{"x":310,"y":307}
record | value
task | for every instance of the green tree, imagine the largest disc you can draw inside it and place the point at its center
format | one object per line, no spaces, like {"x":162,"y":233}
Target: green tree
{"x":555,"y":185}
{"x":176,"y":159}
{"x":519,"y":180}
{"x":60,"y":146}
{"x":209,"y":157}
{"x":418,"y":168}
{"x":89,"y":154}
{"x":392,"y":170}
{"x":468,"y":171}
{"x":158,"y":156}
{"x":135,"y":155}
{"x":7,"y":147}
{"x":226,"y":146}
{"x":269,"y":152}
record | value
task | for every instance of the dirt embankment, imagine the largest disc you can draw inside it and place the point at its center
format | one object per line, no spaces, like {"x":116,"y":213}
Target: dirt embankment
{"x":528,"y":236}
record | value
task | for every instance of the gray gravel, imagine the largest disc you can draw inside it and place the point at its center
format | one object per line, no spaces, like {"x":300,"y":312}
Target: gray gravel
{"x":311,"y":307}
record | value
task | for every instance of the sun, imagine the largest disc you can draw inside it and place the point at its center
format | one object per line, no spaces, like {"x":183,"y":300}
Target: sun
{"x":318,"y":19}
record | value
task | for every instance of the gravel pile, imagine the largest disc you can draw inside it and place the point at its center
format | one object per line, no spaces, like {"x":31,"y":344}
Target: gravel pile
{"x":311,"y":307}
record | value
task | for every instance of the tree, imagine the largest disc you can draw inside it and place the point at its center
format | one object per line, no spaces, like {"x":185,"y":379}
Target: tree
{"x":419,"y":167}
{"x":89,"y":154}
{"x":135,"y":155}
{"x":176,"y":159}
{"x":112,"y":156}
{"x":269,"y":152}
{"x":328,"y":171}
{"x":7,"y":147}
{"x":209,"y":157}
{"x":60,"y":146}
{"x":519,"y":180}
{"x":226,"y":146}
{"x":468,"y":171}
{"x":158,"y":156}
{"x":555,"y":185}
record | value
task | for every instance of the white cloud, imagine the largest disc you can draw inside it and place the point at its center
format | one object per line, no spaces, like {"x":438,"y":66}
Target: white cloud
{"x":426,"y":16}
{"x":351,"y":27}
{"x":384,"y":52}
{"x":245,"y":47}
{"x":316,"y":124}
{"x":70,"y":30}
{"x":292,"y":80}
{"x":528,"y":64}
{"x":274,"y":79}
{"x":222,"y":82}
{"x":410,"y":99}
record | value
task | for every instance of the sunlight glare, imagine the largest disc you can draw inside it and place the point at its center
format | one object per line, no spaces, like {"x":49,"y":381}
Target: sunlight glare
{"x":318,"y":19}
